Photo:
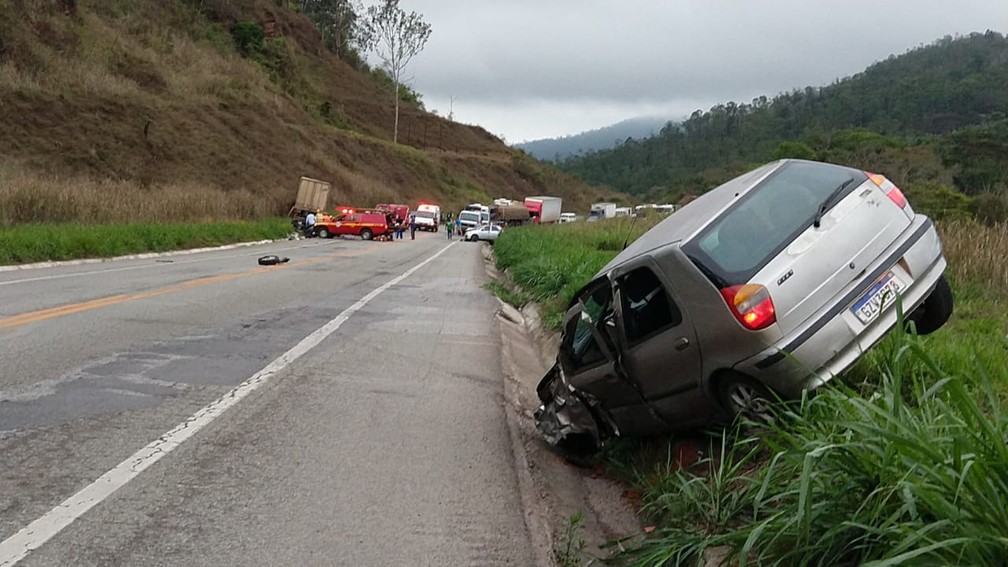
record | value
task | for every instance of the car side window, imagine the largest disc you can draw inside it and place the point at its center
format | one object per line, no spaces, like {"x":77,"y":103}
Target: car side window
{"x":583,"y":349}
{"x":647,"y":308}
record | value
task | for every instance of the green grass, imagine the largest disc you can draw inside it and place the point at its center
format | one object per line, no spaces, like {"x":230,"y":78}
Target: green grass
{"x":44,"y":242}
{"x":547,"y":264}
{"x":913,"y":471}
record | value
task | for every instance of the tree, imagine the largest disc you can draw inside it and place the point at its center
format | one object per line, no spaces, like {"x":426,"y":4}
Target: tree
{"x":395,"y":37}
{"x":337,"y":21}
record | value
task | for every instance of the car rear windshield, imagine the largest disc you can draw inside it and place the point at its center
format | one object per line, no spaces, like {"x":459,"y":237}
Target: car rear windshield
{"x":750,"y":233}
{"x":469,"y":216}
{"x":425,"y":214}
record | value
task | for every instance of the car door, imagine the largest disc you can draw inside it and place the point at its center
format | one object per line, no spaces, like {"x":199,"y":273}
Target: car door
{"x":658,"y":345}
{"x":590,"y":362}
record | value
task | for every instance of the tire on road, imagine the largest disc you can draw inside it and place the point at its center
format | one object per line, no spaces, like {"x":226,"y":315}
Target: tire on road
{"x":323,"y":233}
{"x":366,"y":234}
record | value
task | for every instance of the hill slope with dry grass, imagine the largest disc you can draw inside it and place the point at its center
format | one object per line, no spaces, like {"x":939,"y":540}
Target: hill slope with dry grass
{"x":114,"y":110}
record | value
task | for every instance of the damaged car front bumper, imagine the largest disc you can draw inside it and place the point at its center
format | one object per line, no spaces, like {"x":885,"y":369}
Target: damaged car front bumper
{"x":568,"y":418}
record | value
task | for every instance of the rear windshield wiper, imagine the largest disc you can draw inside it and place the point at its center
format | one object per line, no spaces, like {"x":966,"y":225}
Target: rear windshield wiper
{"x":824,"y":206}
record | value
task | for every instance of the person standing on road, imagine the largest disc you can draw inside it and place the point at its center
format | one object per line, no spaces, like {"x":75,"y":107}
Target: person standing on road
{"x":412,"y":227}
{"x":309,"y":224}
{"x":448,"y":230}
{"x":458,"y":226}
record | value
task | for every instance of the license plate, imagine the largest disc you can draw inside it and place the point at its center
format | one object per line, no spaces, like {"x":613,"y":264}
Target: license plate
{"x":881,"y":295}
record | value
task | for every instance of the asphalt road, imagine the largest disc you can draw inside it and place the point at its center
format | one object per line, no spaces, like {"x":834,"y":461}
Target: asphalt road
{"x":340,"y":409}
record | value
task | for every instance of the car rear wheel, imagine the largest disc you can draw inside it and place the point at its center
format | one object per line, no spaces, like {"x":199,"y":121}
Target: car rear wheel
{"x":935,"y":310}
{"x":740,"y":395}
{"x":323,"y":233}
{"x":366,"y":234}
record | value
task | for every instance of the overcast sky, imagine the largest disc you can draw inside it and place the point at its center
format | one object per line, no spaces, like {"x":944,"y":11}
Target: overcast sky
{"x":530,"y":69}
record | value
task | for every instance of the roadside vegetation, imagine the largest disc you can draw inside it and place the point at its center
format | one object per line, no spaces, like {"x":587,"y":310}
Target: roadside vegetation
{"x":65,"y":241}
{"x":548,"y":264}
{"x":903,"y":461}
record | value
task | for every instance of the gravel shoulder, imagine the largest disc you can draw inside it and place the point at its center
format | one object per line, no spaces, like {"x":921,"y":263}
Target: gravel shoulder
{"x":552,"y":489}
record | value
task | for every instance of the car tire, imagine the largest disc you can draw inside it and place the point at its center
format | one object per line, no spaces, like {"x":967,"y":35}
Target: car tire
{"x":935,"y":310}
{"x":366,"y":234}
{"x":742,"y":396}
{"x":323,"y":233}
{"x":473,"y":238}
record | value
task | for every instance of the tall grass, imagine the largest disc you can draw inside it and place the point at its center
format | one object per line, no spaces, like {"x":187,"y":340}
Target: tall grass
{"x":42,"y":242}
{"x":976,"y":254}
{"x":26,"y":197}
{"x":914,"y":472}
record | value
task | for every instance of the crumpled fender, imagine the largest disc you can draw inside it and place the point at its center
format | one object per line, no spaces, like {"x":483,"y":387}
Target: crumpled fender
{"x":565,"y":416}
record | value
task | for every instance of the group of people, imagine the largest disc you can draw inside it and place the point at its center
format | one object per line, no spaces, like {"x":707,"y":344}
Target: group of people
{"x":452,"y":226}
{"x":400,"y":227}
{"x":398,"y":224}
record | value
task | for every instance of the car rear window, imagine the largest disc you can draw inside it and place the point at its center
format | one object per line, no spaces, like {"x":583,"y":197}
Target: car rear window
{"x":425,"y":214}
{"x":750,"y":233}
{"x":469,"y":216}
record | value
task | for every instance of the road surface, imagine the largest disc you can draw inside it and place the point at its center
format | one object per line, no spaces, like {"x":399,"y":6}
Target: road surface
{"x":344,"y":408}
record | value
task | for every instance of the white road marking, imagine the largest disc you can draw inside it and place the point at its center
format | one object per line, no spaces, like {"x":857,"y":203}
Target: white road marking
{"x":37,"y":533}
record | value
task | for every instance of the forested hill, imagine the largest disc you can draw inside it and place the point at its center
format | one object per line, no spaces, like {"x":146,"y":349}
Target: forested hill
{"x":933,"y":90}
{"x":555,"y":149}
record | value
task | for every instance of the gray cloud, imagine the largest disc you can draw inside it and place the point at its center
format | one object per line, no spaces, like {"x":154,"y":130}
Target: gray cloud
{"x":527,"y":69}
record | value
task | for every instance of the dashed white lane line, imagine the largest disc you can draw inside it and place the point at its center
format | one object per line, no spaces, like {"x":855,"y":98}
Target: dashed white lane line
{"x":37,"y":533}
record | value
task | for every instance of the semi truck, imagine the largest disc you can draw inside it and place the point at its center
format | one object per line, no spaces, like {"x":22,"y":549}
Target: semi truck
{"x":601,"y":211}
{"x":544,"y":209}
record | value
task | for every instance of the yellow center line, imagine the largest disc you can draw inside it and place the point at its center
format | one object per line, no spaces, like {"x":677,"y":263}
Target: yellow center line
{"x":64,"y":310}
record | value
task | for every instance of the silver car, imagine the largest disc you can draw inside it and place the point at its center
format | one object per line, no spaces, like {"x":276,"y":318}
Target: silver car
{"x":487,"y":232}
{"x":764,"y":287}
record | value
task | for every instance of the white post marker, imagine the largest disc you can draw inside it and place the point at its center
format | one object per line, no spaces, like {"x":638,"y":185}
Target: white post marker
{"x":37,"y":533}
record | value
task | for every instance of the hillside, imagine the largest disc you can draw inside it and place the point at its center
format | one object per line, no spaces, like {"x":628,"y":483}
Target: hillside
{"x":147,"y":110}
{"x":909,"y":101}
{"x":555,"y":149}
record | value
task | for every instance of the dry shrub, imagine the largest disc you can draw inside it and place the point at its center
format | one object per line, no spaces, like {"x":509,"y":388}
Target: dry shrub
{"x":976,"y":253}
{"x":354,"y":188}
{"x":28,"y":198}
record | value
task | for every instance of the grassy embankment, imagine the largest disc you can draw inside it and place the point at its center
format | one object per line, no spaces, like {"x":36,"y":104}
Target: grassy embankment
{"x":43,"y":242}
{"x":905,"y":462}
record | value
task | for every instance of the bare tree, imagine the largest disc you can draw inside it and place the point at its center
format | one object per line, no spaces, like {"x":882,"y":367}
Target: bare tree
{"x":395,"y":37}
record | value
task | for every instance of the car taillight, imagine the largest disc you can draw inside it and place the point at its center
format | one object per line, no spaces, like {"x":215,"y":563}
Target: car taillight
{"x":890,"y":189}
{"x":751,"y":304}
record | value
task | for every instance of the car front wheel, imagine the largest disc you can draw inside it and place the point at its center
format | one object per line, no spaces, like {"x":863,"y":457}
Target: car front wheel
{"x":473,"y":238}
{"x":323,"y":233}
{"x":366,"y":234}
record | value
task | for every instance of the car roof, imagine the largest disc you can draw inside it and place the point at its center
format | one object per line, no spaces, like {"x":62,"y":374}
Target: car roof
{"x":692,"y":217}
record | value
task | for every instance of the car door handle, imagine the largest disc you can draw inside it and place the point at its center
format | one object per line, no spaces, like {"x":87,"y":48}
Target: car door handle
{"x":682,"y":343}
